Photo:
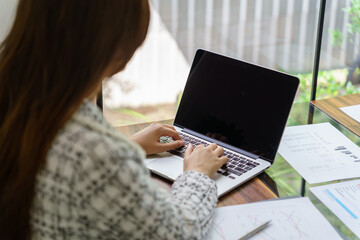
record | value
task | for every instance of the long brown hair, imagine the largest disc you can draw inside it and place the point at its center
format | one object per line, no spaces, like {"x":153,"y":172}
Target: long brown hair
{"x":55,"y":55}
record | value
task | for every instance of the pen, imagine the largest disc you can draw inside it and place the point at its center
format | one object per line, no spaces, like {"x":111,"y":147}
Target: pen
{"x":257,"y":229}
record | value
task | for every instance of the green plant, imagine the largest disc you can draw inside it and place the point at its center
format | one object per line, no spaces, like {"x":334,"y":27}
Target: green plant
{"x":328,"y":86}
{"x":286,"y":178}
{"x":337,"y":37}
{"x":134,"y":114}
{"x":352,"y":27}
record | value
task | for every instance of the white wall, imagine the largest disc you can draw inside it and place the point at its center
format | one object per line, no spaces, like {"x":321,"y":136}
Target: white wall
{"x":156,"y":74}
{"x":7,"y":13}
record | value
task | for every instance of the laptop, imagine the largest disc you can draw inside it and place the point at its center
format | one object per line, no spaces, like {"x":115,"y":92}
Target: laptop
{"x":238,"y":105}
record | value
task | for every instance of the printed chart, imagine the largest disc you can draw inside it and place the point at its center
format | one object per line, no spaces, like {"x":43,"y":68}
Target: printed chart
{"x":320,"y":153}
{"x":290,"y":219}
{"x":343,"y":199}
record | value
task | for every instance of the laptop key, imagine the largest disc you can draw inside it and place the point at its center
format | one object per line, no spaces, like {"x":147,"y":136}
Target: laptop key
{"x":231,"y":166}
{"x":234,"y":171}
{"x":236,"y":164}
{"x":240,"y":170}
{"x":177,"y":153}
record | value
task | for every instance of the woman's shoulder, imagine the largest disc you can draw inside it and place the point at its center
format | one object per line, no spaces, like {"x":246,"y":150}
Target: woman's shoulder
{"x":87,"y":142}
{"x":85,"y":156}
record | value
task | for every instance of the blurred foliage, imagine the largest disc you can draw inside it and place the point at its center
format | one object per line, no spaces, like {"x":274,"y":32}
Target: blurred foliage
{"x":287,"y":179}
{"x":352,"y":27}
{"x":328,"y":86}
{"x":354,"y":13}
{"x":134,"y":114}
{"x":336,"y":37}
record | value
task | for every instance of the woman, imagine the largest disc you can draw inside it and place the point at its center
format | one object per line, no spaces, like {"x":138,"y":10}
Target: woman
{"x":64,"y":172}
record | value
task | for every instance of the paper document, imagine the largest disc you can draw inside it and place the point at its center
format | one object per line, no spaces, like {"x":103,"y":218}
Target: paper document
{"x":320,"y":153}
{"x":352,"y":111}
{"x":343,"y":199}
{"x":295,"y":218}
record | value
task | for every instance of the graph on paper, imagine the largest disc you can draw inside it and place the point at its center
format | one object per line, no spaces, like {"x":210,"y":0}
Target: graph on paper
{"x":320,"y":153}
{"x":290,"y":219}
{"x":343,"y":199}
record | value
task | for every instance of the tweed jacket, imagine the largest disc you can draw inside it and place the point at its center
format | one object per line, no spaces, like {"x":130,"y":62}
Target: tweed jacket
{"x":95,"y":186}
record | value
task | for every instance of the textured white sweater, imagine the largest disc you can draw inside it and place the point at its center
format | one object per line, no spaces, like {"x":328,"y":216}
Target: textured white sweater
{"x":95,"y":186}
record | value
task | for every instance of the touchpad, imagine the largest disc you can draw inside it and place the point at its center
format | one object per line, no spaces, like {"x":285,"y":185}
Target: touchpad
{"x":165,"y":164}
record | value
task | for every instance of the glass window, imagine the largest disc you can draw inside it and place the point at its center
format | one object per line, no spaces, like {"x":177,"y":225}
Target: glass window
{"x":278,"y":34}
{"x":340,"y":50}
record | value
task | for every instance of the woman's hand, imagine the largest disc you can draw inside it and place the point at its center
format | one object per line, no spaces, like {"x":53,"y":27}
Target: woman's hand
{"x":149,"y":138}
{"x":204,"y":159}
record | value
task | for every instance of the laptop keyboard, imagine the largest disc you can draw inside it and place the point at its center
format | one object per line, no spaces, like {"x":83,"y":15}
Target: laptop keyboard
{"x":237,"y":164}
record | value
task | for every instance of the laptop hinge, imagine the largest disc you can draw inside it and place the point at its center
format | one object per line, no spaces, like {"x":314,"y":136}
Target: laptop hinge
{"x":251,"y":155}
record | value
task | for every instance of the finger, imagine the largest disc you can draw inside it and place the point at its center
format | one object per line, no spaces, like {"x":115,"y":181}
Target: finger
{"x":175,"y":144}
{"x":212,"y":146}
{"x":223,"y":160}
{"x":200,"y":146}
{"x":189,"y":150}
{"x":171,"y":133}
{"x":219,"y":151}
{"x":168,"y":146}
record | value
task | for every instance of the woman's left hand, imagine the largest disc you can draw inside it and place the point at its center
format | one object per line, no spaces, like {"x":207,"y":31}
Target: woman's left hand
{"x":149,"y":138}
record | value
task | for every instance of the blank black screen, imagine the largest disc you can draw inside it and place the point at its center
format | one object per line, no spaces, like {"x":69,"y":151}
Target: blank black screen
{"x":239,"y":103}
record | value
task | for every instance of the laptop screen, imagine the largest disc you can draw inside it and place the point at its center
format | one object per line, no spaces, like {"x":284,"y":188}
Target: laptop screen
{"x":238,"y":103}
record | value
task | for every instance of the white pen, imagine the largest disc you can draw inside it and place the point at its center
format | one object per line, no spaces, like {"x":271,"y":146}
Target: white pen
{"x":257,"y":229}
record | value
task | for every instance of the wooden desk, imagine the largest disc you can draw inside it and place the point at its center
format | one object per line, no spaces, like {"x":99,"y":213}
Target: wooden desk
{"x":331,"y":107}
{"x":251,"y":191}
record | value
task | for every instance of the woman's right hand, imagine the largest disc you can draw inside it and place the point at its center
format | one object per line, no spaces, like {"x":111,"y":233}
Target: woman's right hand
{"x":204,"y":159}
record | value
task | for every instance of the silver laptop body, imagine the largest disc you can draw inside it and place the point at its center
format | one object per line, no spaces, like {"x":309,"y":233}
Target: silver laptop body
{"x":238,"y":105}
